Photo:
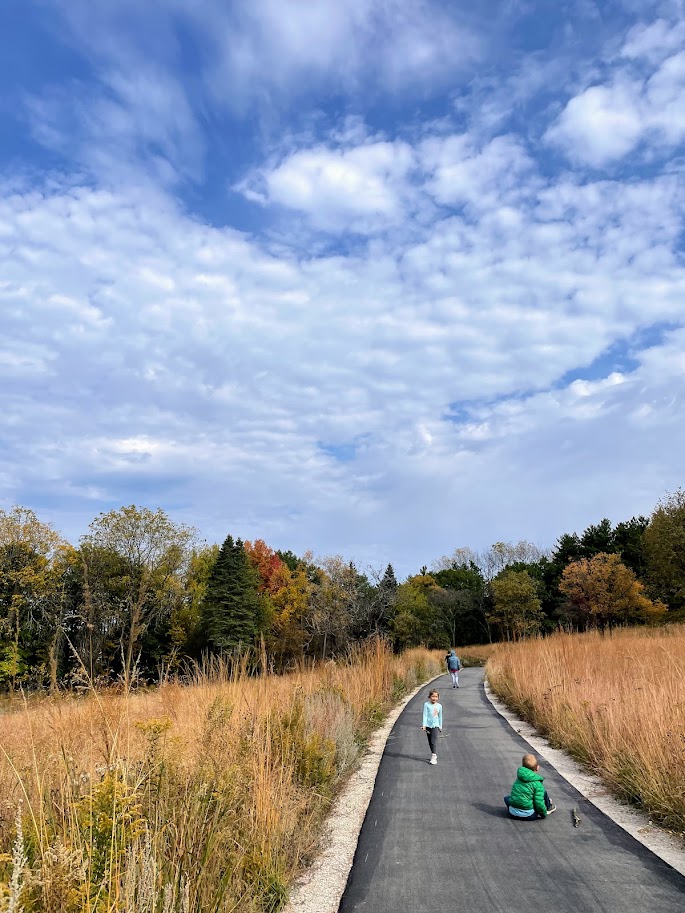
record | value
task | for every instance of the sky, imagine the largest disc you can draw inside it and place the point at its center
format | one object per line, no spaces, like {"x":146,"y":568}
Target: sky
{"x":371,"y":278}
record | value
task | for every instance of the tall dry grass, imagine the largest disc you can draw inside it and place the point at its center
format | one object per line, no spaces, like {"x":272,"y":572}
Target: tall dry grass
{"x":189,"y":798}
{"x":614,"y":701}
{"x":476,"y":654}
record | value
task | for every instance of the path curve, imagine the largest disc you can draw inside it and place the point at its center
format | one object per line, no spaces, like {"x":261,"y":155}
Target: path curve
{"x":437,"y":836}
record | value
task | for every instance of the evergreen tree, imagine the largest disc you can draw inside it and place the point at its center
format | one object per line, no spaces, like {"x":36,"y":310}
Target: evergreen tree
{"x":388,"y":584}
{"x":290,"y":559}
{"x":462,"y":603}
{"x":231,"y":609}
{"x":567,"y":549}
{"x":629,"y":537}
{"x":383,"y":606}
{"x":598,"y":537}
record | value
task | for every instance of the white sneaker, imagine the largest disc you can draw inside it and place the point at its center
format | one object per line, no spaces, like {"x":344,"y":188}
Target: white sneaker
{"x":434,"y":759}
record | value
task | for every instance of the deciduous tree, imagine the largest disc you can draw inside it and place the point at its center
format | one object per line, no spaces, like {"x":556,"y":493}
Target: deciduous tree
{"x":336,"y":601}
{"x":413,"y":623}
{"x":603,"y":592}
{"x":184,"y":625}
{"x":291,"y":602}
{"x":146,"y":551}
{"x":665,"y":550}
{"x":28,"y":588}
{"x":516,"y":604}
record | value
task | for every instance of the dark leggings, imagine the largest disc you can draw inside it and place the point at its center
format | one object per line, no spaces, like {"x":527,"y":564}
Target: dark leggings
{"x":432,"y":733}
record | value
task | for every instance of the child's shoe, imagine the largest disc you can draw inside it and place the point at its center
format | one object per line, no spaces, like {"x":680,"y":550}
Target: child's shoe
{"x":551,"y":809}
{"x":434,"y":759}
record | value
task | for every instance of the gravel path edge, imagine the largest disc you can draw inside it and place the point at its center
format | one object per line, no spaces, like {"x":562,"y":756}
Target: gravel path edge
{"x":320,"y":888}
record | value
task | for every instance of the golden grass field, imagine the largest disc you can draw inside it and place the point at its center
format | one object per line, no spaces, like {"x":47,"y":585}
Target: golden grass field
{"x":615,"y":701}
{"x":209,"y":796}
{"x":201,"y":797}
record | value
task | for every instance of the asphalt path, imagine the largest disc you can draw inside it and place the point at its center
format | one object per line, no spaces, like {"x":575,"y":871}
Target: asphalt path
{"x":439,"y":837}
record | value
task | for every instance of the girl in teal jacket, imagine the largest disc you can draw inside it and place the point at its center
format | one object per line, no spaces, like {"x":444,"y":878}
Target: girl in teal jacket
{"x":432,"y":722}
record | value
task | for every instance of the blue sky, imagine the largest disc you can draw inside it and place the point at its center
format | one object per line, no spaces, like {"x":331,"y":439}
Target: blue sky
{"x":369,"y":278}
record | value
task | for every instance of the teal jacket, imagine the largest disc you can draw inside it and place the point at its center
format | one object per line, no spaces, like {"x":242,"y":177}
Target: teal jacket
{"x":528,"y":792}
{"x":432,"y":715}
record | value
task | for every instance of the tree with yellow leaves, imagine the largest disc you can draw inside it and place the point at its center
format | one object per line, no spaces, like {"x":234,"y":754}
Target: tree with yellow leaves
{"x":28,"y":587}
{"x":516,"y":605}
{"x":604,"y":592}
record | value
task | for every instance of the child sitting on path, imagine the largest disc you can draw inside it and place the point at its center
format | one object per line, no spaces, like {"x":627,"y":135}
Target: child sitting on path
{"x":432,"y":722}
{"x":528,"y":798}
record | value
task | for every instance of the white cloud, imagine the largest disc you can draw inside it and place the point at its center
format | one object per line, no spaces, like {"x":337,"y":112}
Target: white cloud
{"x":374,"y":184}
{"x":459,"y":173}
{"x":600,"y":125}
{"x":665,"y":100}
{"x":361,"y":187}
{"x":263,"y":46}
{"x":653,"y":41}
{"x":254,"y":53}
{"x":417,"y":297}
{"x":206,"y":371}
{"x":635,"y":106}
{"x":129,"y":127}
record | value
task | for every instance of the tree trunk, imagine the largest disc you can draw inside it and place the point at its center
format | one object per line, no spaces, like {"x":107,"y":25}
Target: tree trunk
{"x":52,"y":661}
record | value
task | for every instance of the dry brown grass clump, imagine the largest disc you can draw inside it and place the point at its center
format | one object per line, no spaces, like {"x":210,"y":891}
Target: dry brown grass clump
{"x":615,"y":701}
{"x":203,"y":798}
{"x":476,"y":654}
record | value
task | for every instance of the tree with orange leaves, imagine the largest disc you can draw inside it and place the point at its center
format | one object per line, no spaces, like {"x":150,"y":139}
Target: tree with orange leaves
{"x":603,"y":592}
{"x":285,"y":596}
{"x":273,"y":573}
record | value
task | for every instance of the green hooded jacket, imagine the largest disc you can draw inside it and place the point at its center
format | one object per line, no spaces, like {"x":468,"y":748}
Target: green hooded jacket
{"x":528,"y":792}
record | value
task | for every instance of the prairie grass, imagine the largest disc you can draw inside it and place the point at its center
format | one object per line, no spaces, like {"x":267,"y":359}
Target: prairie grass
{"x":197,"y":798}
{"x":615,"y":701}
{"x":476,"y":654}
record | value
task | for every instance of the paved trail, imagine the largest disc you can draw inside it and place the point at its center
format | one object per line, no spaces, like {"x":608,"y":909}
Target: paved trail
{"x":439,"y":840}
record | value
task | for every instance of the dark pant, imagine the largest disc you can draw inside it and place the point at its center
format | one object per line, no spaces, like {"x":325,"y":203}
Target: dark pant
{"x":432,"y":733}
{"x":533,"y":814}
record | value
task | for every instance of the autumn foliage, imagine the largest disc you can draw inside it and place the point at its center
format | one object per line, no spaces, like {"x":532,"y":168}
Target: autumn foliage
{"x":605,"y":592}
{"x":614,"y":700}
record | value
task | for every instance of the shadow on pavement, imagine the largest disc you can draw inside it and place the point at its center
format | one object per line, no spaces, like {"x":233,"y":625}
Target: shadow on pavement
{"x":409,"y":757}
{"x":494,"y":810}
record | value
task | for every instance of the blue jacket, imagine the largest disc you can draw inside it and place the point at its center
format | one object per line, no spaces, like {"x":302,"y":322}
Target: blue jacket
{"x":453,"y":662}
{"x":432,"y":715}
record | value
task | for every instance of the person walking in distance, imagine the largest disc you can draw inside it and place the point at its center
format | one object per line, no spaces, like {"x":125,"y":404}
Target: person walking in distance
{"x":453,"y":666}
{"x":432,"y":722}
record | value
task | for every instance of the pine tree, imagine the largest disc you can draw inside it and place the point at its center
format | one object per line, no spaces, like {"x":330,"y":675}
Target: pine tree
{"x":387,"y":599}
{"x":389,"y":581}
{"x":231,"y":609}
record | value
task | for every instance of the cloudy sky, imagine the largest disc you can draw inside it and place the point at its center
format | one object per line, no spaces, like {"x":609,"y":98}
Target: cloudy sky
{"x":375,"y":277}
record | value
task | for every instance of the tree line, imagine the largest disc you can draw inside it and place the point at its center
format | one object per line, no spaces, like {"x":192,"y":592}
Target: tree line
{"x":140,"y":595}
